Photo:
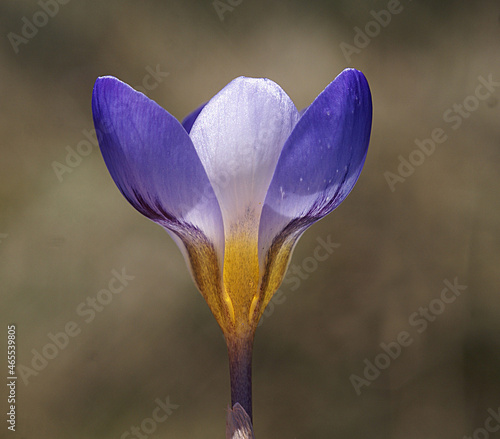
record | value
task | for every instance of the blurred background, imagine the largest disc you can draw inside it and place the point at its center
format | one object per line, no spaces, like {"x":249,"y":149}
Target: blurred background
{"x":401,"y":237}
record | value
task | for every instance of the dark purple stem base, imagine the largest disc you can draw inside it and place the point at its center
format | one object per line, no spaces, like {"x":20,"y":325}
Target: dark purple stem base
{"x":240,"y":371}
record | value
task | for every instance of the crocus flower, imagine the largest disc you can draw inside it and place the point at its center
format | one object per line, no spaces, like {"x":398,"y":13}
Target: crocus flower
{"x":236,"y":184}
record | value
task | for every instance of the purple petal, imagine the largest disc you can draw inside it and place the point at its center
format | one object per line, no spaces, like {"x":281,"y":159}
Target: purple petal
{"x":189,"y":120}
{"x":153,"y":161}
{"x":321,"y":160}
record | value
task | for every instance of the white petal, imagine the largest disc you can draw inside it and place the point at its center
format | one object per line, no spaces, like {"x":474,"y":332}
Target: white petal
{"x":239,"y":136}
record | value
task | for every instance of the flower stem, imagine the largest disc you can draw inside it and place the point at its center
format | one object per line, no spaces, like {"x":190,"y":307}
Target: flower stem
{"x":240,"y":370}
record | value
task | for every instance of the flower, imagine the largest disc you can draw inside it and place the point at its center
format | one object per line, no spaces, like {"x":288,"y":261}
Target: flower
{"x":238,"y":182}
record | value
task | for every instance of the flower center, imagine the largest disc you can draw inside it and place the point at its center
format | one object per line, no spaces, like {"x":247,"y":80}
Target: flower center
{"x":241,"y":270}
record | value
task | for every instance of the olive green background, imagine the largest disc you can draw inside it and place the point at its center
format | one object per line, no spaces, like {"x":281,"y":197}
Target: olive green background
{"x":60,"y":240}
